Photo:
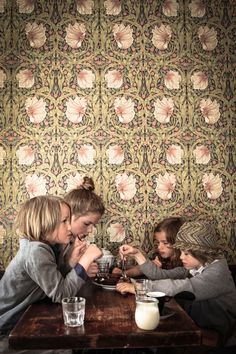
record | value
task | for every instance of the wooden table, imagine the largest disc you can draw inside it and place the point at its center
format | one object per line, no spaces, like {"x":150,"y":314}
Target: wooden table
{"x":109,"y":323}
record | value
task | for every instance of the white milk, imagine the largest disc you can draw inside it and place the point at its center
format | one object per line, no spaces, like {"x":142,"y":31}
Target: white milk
{"x":147,"y":314}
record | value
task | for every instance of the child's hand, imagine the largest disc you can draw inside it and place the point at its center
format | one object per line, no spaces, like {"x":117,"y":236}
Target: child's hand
{"x":126,"y":250}
{"x":91,"y":253}
{"x":125,"y":288}
{"x":92,"y":270}
{"x":78,"y":249}
{"x":116,"y":271}
{"x":157,"y":262}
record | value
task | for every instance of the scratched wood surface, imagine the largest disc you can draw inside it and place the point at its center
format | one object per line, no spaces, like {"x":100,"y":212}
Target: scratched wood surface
{"x":109,"y":323}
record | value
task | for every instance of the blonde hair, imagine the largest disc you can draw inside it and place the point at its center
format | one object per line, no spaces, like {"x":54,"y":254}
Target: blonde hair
{"x":39,"y":217}
{"x":83,"y":200}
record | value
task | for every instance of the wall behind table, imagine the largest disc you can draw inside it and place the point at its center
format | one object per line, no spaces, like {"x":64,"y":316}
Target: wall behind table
{"x":138,"y":95}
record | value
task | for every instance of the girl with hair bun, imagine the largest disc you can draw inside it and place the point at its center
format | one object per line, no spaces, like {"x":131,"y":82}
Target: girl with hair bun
{"x":87,"y":209}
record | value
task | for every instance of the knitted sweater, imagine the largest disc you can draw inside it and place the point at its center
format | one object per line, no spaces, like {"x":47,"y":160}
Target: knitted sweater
{"x":33,"y":275}
{"x":214,"y":290}
{"x":215,"y":280}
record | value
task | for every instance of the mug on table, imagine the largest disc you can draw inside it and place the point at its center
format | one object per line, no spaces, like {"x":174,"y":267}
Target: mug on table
{"x":161,"y":297}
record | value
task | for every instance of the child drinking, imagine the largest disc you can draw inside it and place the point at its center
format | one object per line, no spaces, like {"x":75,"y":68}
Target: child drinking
{"x":43,"y":223}
{"x":87,"y":209}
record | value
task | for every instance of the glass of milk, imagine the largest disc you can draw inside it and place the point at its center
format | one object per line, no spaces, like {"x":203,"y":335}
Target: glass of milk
{"x":147,"y":314}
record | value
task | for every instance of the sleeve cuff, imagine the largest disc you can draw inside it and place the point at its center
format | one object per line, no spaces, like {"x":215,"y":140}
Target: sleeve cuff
{"x":80,"y":271}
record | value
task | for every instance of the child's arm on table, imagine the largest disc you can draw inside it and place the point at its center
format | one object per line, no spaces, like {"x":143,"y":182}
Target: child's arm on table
{"x":125,"y":288}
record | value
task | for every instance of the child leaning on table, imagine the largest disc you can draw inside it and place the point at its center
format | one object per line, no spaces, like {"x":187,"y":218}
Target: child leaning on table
{"x":43,"y":222}
{"x":87,"y":209}
{"x":165,"y":255}
{"x":205,"y":274}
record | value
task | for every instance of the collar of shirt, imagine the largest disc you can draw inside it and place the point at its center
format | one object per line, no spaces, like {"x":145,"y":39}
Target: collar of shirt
{"x":195,"y":272}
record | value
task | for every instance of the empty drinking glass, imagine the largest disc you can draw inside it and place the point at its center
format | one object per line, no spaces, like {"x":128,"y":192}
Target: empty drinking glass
{"x":73,"y":311}
{"x":142,"y":287}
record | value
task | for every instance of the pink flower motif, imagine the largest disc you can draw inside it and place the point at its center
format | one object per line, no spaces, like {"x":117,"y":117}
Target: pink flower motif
{"x":35,"y":185}
{"x":75,"y":109}
{"x":115,"y":154}
{"x":25,"y":155}
{"x":2,"y":78}
{"x":197,"y":8}
{"x":2,"y":5}
{"x":2,"y":234}
{"x":74,"y":181}
{"x":207,"y":37}
{"x":124,"y":109}
{"x":161,"y":36}
{"x":212,"y":185}
{"x":170,"y":8}
{"x":174,"y":154}
{"x":86,"y":155}
{"x":35,"y":34}
{"x":116,"y":232}
{"x":2,"y":155}
{"x":199,"y":80}
{"x":165,"y":185}
{"x":113,"y":7}
{"x":163,"y":109}
{"x":114,"y":79}
{"x":202,"y":154}
{"x":25,"y":78}
{"x":125,"y":185}
{"x":85,"y":7}
{"x":36,"y":109}
{"x":85,"y":79}
{"x":25,"y":6}
{"x":210,"y":110}
{"x":123,"y":36}
{"x":75,"y":35}
{"x":172,"y":80}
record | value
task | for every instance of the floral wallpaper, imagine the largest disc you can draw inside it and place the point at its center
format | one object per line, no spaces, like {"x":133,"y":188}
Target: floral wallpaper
{"x":137,"y":94}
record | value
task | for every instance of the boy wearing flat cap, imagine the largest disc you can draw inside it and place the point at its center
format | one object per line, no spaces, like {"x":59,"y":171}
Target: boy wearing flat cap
{"x":205,"y":275}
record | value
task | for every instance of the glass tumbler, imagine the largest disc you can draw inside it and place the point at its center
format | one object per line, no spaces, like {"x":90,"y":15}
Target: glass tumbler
{"x":73,"y":309}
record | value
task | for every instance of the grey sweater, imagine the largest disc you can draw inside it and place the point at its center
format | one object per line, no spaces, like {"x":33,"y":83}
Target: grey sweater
{"x":214,"y":281}
{"x":33,"y":275}
{"x":214,"y":290}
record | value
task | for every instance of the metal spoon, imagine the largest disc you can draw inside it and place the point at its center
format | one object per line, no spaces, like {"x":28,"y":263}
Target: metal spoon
{"x":123,"y":269}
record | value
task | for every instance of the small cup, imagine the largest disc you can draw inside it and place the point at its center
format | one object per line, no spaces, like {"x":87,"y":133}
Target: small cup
{"x":103,"y":269}
{"x":161,"y":297}
{"x":73,"y":311}
{"x":141,"y":287}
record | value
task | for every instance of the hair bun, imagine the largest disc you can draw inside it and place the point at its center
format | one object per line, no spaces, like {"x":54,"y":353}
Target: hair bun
{"x":87,"y":184}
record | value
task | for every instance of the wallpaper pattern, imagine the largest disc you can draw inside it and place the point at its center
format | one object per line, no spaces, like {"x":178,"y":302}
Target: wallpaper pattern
{"x":138,"y":94}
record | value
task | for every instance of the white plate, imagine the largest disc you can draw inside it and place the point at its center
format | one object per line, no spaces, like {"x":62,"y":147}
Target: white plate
{"x":106,"y":287}
{"x":109,"y":287}
{"x":156,"y":294}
